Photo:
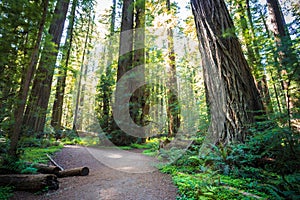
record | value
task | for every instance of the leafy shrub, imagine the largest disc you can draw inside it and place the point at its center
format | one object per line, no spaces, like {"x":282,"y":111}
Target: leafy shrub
{"x":6,"y":193}
{"x":266,"y":165}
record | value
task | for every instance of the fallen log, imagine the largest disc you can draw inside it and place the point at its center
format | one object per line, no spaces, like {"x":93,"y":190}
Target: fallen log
{"x":45,"y":169}
{"x":32,"y":182}
{"x":80,"y":171}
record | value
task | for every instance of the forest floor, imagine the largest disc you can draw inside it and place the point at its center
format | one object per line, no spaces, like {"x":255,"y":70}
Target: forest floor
{"x":114,"y":175}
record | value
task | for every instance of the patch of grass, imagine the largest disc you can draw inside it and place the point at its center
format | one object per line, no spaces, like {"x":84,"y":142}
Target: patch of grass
{"x":141,"y":146}
{"x":35,"y":154}
{"x":150,"y":152}
{"x":125,"y":147}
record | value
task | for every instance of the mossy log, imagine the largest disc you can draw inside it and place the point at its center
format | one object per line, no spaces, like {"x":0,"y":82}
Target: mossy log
{"x":30,"y":182}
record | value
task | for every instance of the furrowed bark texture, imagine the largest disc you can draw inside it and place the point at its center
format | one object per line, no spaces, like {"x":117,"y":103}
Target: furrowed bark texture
{"x":231,"y":91}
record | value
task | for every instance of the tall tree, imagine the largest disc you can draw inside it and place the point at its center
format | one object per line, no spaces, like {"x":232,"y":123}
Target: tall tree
{"x":287,"y":59}
{"x":139,"y":108}
{"x":57,"y":109}
{"x":18,"y":33}
{"x":24,"y":90}
{"x":247,"y":30}
{"x":125,"y":62}
{"x":257,"y":62}
{"x":83,"y":71}
{"x":233,"y":98}
{"x":35,"y":115}
{"x":173,"y":107}
{"x":107,"y":79}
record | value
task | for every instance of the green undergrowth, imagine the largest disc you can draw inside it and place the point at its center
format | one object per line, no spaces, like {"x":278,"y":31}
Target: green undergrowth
{"x":266,"y":166}
{"x":6,"y":193}
{"x":199,"y":182}
{"x":212,"y":185}
{"x":148,"y":146}
{"x":39,"y":155}
{"x":83,"y":141}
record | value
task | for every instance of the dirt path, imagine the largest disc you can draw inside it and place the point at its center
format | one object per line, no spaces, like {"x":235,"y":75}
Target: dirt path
{"x":114,"y":175}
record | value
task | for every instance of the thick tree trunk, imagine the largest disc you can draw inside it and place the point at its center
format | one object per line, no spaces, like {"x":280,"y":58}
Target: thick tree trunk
{"x":125,"y":62}
{"x":19,"y":112}
{"x":139,"y":108}
{"x":35,"y":115}
{"x":232,"y":94}
{"x":30,"y":182}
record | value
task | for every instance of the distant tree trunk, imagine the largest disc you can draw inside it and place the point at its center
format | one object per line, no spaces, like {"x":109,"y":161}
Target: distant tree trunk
{"x":233,"y":98}
{"x":286,"y":56}
{"x":57,"y":109}
{"x":173,"y":107}
{"x":125,"y":63}
{"x":107,"y":90}
{"x":77,"y":112}
{"x":254,"y":55}
{"x":35,"y":115}
{"x":23,"y":94}
{"x":277,"y":96}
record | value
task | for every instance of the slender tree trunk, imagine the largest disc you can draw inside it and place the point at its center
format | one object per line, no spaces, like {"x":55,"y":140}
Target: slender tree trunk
{"x":35,"y":115}
{"x":277,"y":95}
{"x":107,"y":90}
{"x":232,"y":94}
{"x":57,"y":108}
{"x":254,"y":55}
{"x":286,"y":55}
{"x":77,"y":113}
{"x":173,"y":107}
{"x":19,"y":112}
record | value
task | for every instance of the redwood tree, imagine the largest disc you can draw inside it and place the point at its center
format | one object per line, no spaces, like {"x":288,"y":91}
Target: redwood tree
{"x":35,"y":115}
{"x":173,"y":107}
{"x":233,"y":98}
{"x":125,"y":63}
{"x":57,"y":109}
{"x":287,"y":59}
{"x":24,"y":89}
